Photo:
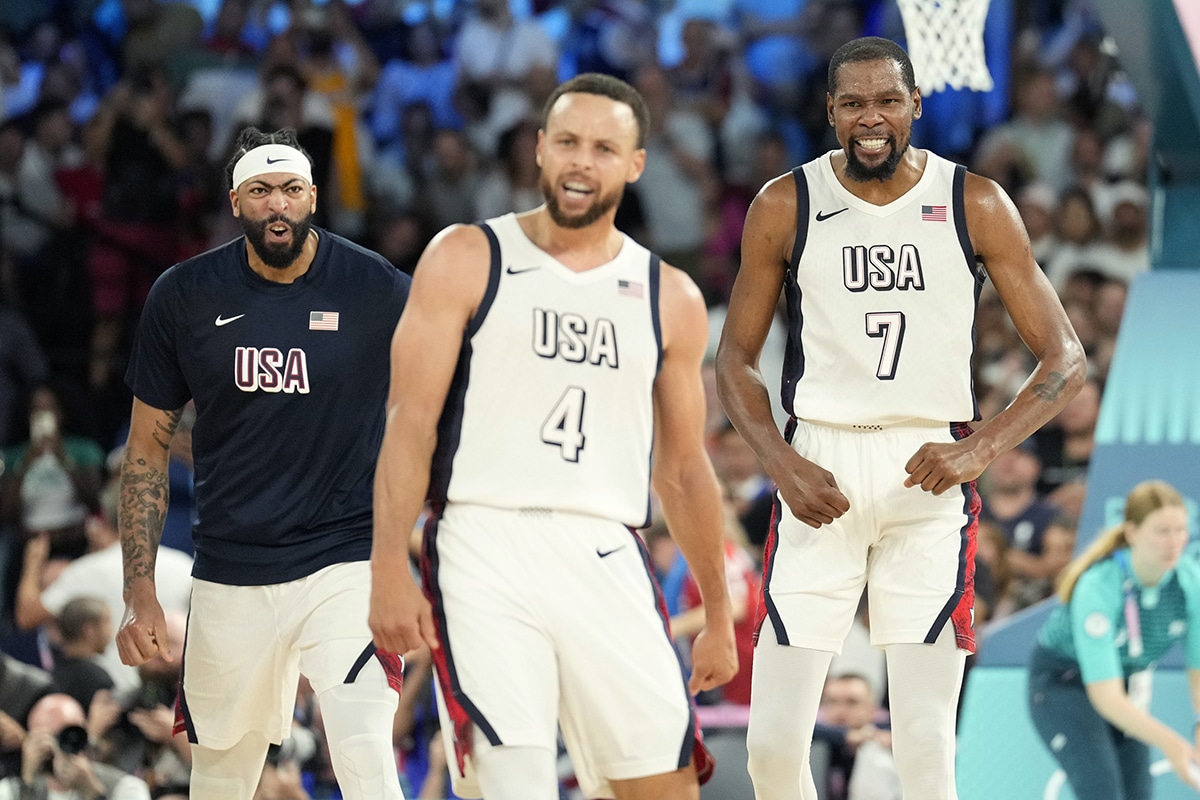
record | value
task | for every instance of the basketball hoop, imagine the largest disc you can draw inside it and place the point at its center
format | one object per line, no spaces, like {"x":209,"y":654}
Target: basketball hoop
{"x":945,"y":43}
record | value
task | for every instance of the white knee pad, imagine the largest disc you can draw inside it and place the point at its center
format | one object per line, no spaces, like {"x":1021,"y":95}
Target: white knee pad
{"x":230,"y":774}
{"x":358,"y":726}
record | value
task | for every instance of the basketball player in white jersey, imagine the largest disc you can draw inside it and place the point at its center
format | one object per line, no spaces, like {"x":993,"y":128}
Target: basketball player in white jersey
{"x":544,"y":357}
{"x":880,"y":250}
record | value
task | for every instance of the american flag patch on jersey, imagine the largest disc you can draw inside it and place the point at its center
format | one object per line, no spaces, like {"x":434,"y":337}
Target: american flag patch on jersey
{"x":629,"y":288}
{"x":322,"y":320}
{"x":933,"y":213}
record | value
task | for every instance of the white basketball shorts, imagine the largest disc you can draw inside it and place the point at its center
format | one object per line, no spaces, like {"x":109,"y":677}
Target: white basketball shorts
{"x":913,"y":551}
{"x":546,"y":618}
{"x":247,"y":646}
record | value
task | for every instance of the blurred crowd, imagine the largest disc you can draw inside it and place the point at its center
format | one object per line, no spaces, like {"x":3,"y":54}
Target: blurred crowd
{"x":116,"y":118}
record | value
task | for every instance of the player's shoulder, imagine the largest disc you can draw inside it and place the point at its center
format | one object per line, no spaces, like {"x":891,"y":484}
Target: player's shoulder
{"x":458,"y":250}
{"x":213,"y":271}
{"x":366,"y":263}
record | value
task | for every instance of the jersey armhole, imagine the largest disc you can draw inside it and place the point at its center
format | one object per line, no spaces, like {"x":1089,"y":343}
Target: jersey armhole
{"x":493,"y":285}
{"x":801,"y":217}
{"x":960,"y":224}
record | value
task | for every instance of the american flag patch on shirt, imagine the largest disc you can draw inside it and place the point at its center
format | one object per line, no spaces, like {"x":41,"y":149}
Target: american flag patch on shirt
{"x":322,"y":320}
{"x":629,"y":288}
{"x":933,"y":213}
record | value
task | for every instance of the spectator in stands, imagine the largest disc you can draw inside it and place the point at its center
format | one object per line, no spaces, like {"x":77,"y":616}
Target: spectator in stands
{"x":98,"y":574}
{"x":1126,"y":600}
{"x":509,"y":63}
{"x":85,"y":628}
{"x":53,"y":478}
{"x":1064,"y":445}
{"x":513,"y":183}
{"x":55,"y":762}
{"x":134,"y":141}
{"x":1011,"y":501}
{"x":422,"y":73}
{"x":860,"y":765}
{"x":450,"y":194}
{"x":1035,"y":145}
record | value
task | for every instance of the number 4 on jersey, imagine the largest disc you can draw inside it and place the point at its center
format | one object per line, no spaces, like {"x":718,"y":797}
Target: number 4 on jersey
{"x":564,"y":426}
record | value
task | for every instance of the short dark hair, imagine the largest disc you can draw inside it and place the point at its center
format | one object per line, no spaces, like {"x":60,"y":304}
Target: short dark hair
{"x":77,"y":614}
{"x":871,"y":48}
{"x":252,"y":137}
{"x":605,"y":86}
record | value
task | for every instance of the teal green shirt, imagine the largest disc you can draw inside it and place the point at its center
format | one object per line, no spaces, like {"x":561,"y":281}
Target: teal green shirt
{"x":1091,"y":629}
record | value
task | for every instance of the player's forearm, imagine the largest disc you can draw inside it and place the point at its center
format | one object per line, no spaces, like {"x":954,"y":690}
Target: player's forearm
{"x":743,"y":394}
{"x":1056,"y":379}
{"x":401,"y":483}
{"x":145,"y":494}
{"x":691,"y":502}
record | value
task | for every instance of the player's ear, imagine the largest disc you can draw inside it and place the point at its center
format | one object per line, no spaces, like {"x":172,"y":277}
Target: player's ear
{"x":829,"y":109}
{"x":916,"y":96}
{"x":312,"y":205}
{"x":637,"y":166}
{"x":538,"y":151}
{"x":235,"y":204}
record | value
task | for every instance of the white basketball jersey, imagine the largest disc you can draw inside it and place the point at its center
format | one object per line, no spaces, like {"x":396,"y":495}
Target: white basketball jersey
{"x":881,"y":302}
{"x":552,"y":403}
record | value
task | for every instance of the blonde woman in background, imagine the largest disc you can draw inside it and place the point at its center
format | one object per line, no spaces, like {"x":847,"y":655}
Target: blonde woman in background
{"x":1126,"y":600}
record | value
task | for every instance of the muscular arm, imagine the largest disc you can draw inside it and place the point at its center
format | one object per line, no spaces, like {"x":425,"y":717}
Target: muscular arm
{"x":448,"y":285}
{"x":683,"y":475}
{"x":1000,"y":241}
{"x":145,"y":492}
{"x":767,"y":239}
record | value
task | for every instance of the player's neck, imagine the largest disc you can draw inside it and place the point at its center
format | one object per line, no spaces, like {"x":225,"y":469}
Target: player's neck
{"x":578,"y":249}
{"x":290,"y":273}
{"x":880,"y":193}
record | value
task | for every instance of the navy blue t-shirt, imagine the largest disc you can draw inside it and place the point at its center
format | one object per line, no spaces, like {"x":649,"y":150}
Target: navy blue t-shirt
{"x":290,"y":383}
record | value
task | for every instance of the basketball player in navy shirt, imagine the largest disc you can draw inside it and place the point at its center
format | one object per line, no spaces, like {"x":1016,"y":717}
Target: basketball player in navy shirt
{"x":880,"y":250}
{"x":280,"y":337}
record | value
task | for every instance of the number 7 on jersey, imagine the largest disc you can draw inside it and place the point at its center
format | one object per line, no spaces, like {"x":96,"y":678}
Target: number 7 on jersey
{"x":564,"y":426}
{"x":889,"y":326}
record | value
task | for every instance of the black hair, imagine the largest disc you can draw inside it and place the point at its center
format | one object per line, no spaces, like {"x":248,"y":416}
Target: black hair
{"x":871,"y":48}
{"x":252,"y":137}
{"x":605,"y":86}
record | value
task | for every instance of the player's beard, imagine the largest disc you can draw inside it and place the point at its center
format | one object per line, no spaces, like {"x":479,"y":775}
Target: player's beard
{"x":600,"y":206}
{"x":858,"y":171}
{"x":277,"y":256}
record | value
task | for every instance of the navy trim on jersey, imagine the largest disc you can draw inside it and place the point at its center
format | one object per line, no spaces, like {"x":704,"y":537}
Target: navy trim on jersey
{"x":186,"y":715}
{"x":360,"y":662}
{"x":781,"y":634}
{"x":439,"y":610}
{"x":960,"y":220}
{"x":958,"y":431}
{"x":689,"y":738}
{"x":964,"y":241}
{"x":656,"y":323}
{"x":793,"y":354}
{"x":493,"y":286}
{"x":655,"y":316}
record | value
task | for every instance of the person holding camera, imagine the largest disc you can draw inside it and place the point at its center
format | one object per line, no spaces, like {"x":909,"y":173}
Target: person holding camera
{"x":55,"y":762}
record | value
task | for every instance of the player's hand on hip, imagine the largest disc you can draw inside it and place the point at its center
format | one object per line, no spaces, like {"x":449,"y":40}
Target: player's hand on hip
{"x":714,"y":657}
{"x":812,"y":493}
{"x":938,"y":466}
{"x":401,"y":619}
{"x":143,"y":632}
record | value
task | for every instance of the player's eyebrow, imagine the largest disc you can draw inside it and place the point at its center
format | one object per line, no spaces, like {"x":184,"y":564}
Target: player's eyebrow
{"x":280,"y":186}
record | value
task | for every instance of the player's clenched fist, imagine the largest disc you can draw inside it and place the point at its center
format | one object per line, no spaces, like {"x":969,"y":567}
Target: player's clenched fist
{"x":401,"y":619}
{"x":143,"y":632}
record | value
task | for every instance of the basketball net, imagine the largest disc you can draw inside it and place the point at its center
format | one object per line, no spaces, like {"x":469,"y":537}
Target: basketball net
{"x":945,"y":43}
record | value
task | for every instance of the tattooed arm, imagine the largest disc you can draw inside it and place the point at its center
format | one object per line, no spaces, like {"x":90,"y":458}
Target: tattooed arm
{"x":1000,"y":241}
{"x":143,"y":508}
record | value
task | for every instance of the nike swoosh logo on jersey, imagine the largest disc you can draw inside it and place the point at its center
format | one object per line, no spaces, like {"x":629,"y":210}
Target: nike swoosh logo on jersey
{"x":226,"y":320}
{"x":821,"y":217}
{"x":276,"y":160}
{"x":514,"y":271}
{"x":607,"y":553}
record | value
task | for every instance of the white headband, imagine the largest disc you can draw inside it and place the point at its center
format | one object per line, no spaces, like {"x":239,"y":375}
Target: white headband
{"x":271,"y":158}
